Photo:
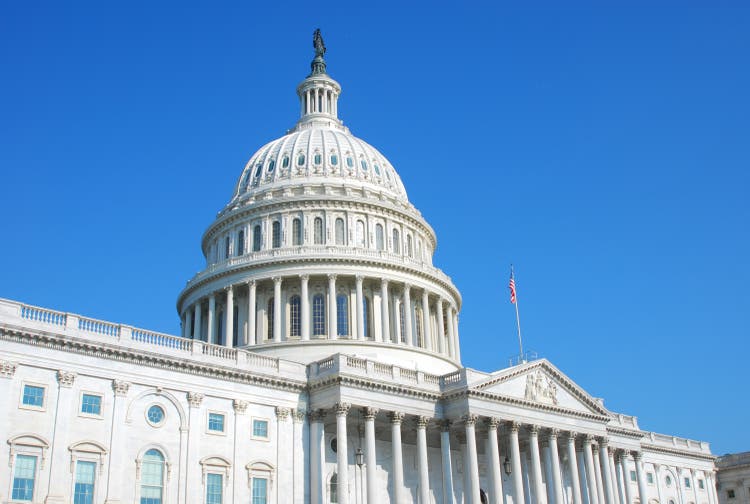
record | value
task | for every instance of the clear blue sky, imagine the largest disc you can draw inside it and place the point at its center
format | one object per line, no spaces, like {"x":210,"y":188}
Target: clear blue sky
{"x":605,"y":152}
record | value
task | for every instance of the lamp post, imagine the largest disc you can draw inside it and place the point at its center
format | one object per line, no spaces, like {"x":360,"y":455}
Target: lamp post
{"x":506,"y":466}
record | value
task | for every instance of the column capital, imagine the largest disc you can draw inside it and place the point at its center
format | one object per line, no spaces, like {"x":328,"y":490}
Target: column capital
{"x":251,"y":283}
{"x":396,"y":417}
{"x":571,"y":436}
{"x":282,"y":413}
{"x":638,"y":456}
{"x":383,"y":281}
{"x":422,"y":421}
{"x":120,"y":387}
{"x":407,"y":287}
{"x":604,"y":442}
{"x":239,"y":406}
{"x":623,"y":455}
{"x":553,"y":434}
{"x":470,"y":419}
{"x":492,"y":423}
{"x":445,"y":425}
{"x":370,"y":413}
{"x":276,"y":280}
{"x":194,"y":399}
{"x":66,"y":378}
{"x":359,"y":278}
{"x":341,"y":409}
{"x":514,"y":426}
{"x":228,"y":288}
{"x":298,"y":416}
{"x":331,"y":276}
{"x":317,"y":415}
{"x":304,"y":277}
{"x":588,"y":439}
{"x":534,"y":430}
{"x":7,"y":369}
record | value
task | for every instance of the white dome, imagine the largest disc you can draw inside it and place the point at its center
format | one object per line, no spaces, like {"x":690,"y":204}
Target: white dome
{"x":319,"y":154}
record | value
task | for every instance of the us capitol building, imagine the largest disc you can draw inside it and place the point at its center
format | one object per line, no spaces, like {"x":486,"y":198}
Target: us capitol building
{"x":319,"y":362}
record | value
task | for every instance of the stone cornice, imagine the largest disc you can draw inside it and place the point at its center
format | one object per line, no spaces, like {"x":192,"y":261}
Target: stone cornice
{"x":138,"y":357}
{"x":373,"y":385}
{"x":517,"y":401}
{"x":675,"y":451}
{"x":635,"y":434}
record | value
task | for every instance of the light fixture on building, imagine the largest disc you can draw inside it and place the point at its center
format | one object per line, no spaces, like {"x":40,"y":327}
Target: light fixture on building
{"x":506,"y":466}
{"x":359,"y":456}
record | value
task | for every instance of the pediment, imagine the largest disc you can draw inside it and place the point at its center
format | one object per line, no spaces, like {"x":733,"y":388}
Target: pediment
{"x":541,"y":383}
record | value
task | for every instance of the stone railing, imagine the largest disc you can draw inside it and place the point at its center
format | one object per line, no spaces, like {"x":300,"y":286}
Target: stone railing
{"x":676,"y":442}
{"x":19,"y":315}
{"x":318,"y":252}
{"x":351,"y":365}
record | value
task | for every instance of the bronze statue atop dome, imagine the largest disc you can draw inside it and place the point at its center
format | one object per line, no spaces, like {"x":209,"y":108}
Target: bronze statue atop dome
{"x":318,"y":64}
{"x":318,"y":44}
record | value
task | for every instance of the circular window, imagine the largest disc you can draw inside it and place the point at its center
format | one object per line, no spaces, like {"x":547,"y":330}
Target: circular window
{"x":334,"y":445}
{"x":155,"y":415}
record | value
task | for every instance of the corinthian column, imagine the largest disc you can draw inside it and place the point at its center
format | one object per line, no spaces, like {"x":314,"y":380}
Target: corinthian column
{"x":471,"y":445}
{"x":515,"y":456}
{"x":573,"y":468}
{"x":426,"y":321}
{"x":251,"y":313}
{"x":424,"y":475}
{"x":493,"y":461}
{"x":229,"y":338}
{"x":342,"y":461}
{"x":642,"y":489}
{"x":277,"y":309}
{"x":555,"y":456}
{"x":445,"y":452}
{"x":606,"y":473}
{"x":536,"y":465}
{"x":360,"y":307}
{"x":440,"y":328}
{"x":385,"y":318}
{"x":407,"y":315}
{"x":398,"y":460}
{"x":370,"y":458}
{"x":590,"y":473}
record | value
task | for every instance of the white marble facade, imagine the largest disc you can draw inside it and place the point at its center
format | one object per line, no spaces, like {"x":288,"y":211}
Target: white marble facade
{"x":319,"y":362}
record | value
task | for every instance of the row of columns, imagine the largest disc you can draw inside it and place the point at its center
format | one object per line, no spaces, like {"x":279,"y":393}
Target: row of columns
{"x":320,"y":101}
{"x":446,"y":344}
{"x":599,"y":479}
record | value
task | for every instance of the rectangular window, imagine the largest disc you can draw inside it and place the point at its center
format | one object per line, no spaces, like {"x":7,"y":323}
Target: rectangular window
{"x":33,"y":396}
{"x":260,"y":429}
{"x":687,"y":482}
{"x":730,"y":494}
{"x":260,"y":491}
{"x":633,"y":476}
{"x":214,"y":488}
{"x":650,"y":478}
{"x":216,"y":422}
{"x":91,"y":404}
{"x":23,"y":478}
{"x":701,"y":485}
{"x":84,"y":488}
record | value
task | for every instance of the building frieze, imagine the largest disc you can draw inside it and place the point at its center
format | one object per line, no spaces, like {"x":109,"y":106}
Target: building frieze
{"x":680,"y":453}
{"x":102,"y":350}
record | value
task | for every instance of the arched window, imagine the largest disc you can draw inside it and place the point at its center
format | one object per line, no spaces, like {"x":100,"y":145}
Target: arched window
{"x":294,"y":316}
{"x":366,"y":315}
{"x":285,"y":161}
{"x":319,"y":315}
{"x":241,"y":242}
{"x":270,"y":317}
{"x":152,"y":477}
{"x":396,"y":242}
{"x":379,"y":236}
{"x":318,"y":231}
{"x":276,"y":234}
{"x":271,"y":166}
{"x":349,"y":162}
{"x":418,"y":324}
{"x":297,"y":232}
{"x":360,"y":233}
{"x":340,"y":232}
{"x":333,"y":489}
{"x":409,"y":246}
{"x":227,"y":250}
{"x":342,"y":315}
{"x":334,"y":159}
{"x":317,"y":158}
{"x":300,"y":160}
{"x":401,"y":322}
{"x":256,"y":238}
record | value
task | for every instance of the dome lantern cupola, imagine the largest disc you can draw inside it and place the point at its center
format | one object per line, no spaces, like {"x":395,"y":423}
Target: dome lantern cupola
{"x":319,"y":93}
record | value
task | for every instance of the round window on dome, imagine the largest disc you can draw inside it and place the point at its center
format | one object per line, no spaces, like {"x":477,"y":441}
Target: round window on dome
{"x":271,"y":165}
{"x":363,"y":163}
{"x":300,"y":160}
{"x":334,"y":159}
{"x":155,"y":415}
{"x":349,"y":162}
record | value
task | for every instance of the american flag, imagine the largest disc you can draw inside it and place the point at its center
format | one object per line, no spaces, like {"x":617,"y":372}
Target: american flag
{"x":512,"y":287}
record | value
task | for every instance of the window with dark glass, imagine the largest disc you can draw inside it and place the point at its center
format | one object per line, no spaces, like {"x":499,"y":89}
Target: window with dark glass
{"x":271,"y":166}
{"x":294,"y":316}
{"x":409,"y":246}
{"x":285,"y":162}
{"x":340,"y":232}
{"x":418,"y":324}
{"x":91,"y":404}
{"x":342,"y":315}
{"x":33,"y":396}
{"x":297,"y":231}
{"x":317,"y":159}
{"x":402,"y":322}
{"x":334,"y":159}
{"x":276,"y":234}
{"x":256,"y":237}
{"x":300,"y":160}
{"x":379,"y":236}
{"x":241,"y":242}
{"x":270,"y":317}
{"x":319,"y":315}
{"x":366,"y":315}
{"x":396,"y":242}
{"x":349,"y":162}
{"x":318,"y":231}
{"x":227,"y":250}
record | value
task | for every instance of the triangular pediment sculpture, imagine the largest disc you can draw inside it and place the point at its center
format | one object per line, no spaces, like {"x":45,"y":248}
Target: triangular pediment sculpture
{"x":539,"y":382}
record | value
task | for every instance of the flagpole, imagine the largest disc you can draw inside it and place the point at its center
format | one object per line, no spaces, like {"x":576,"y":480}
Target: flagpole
{"x":518,"y":319}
